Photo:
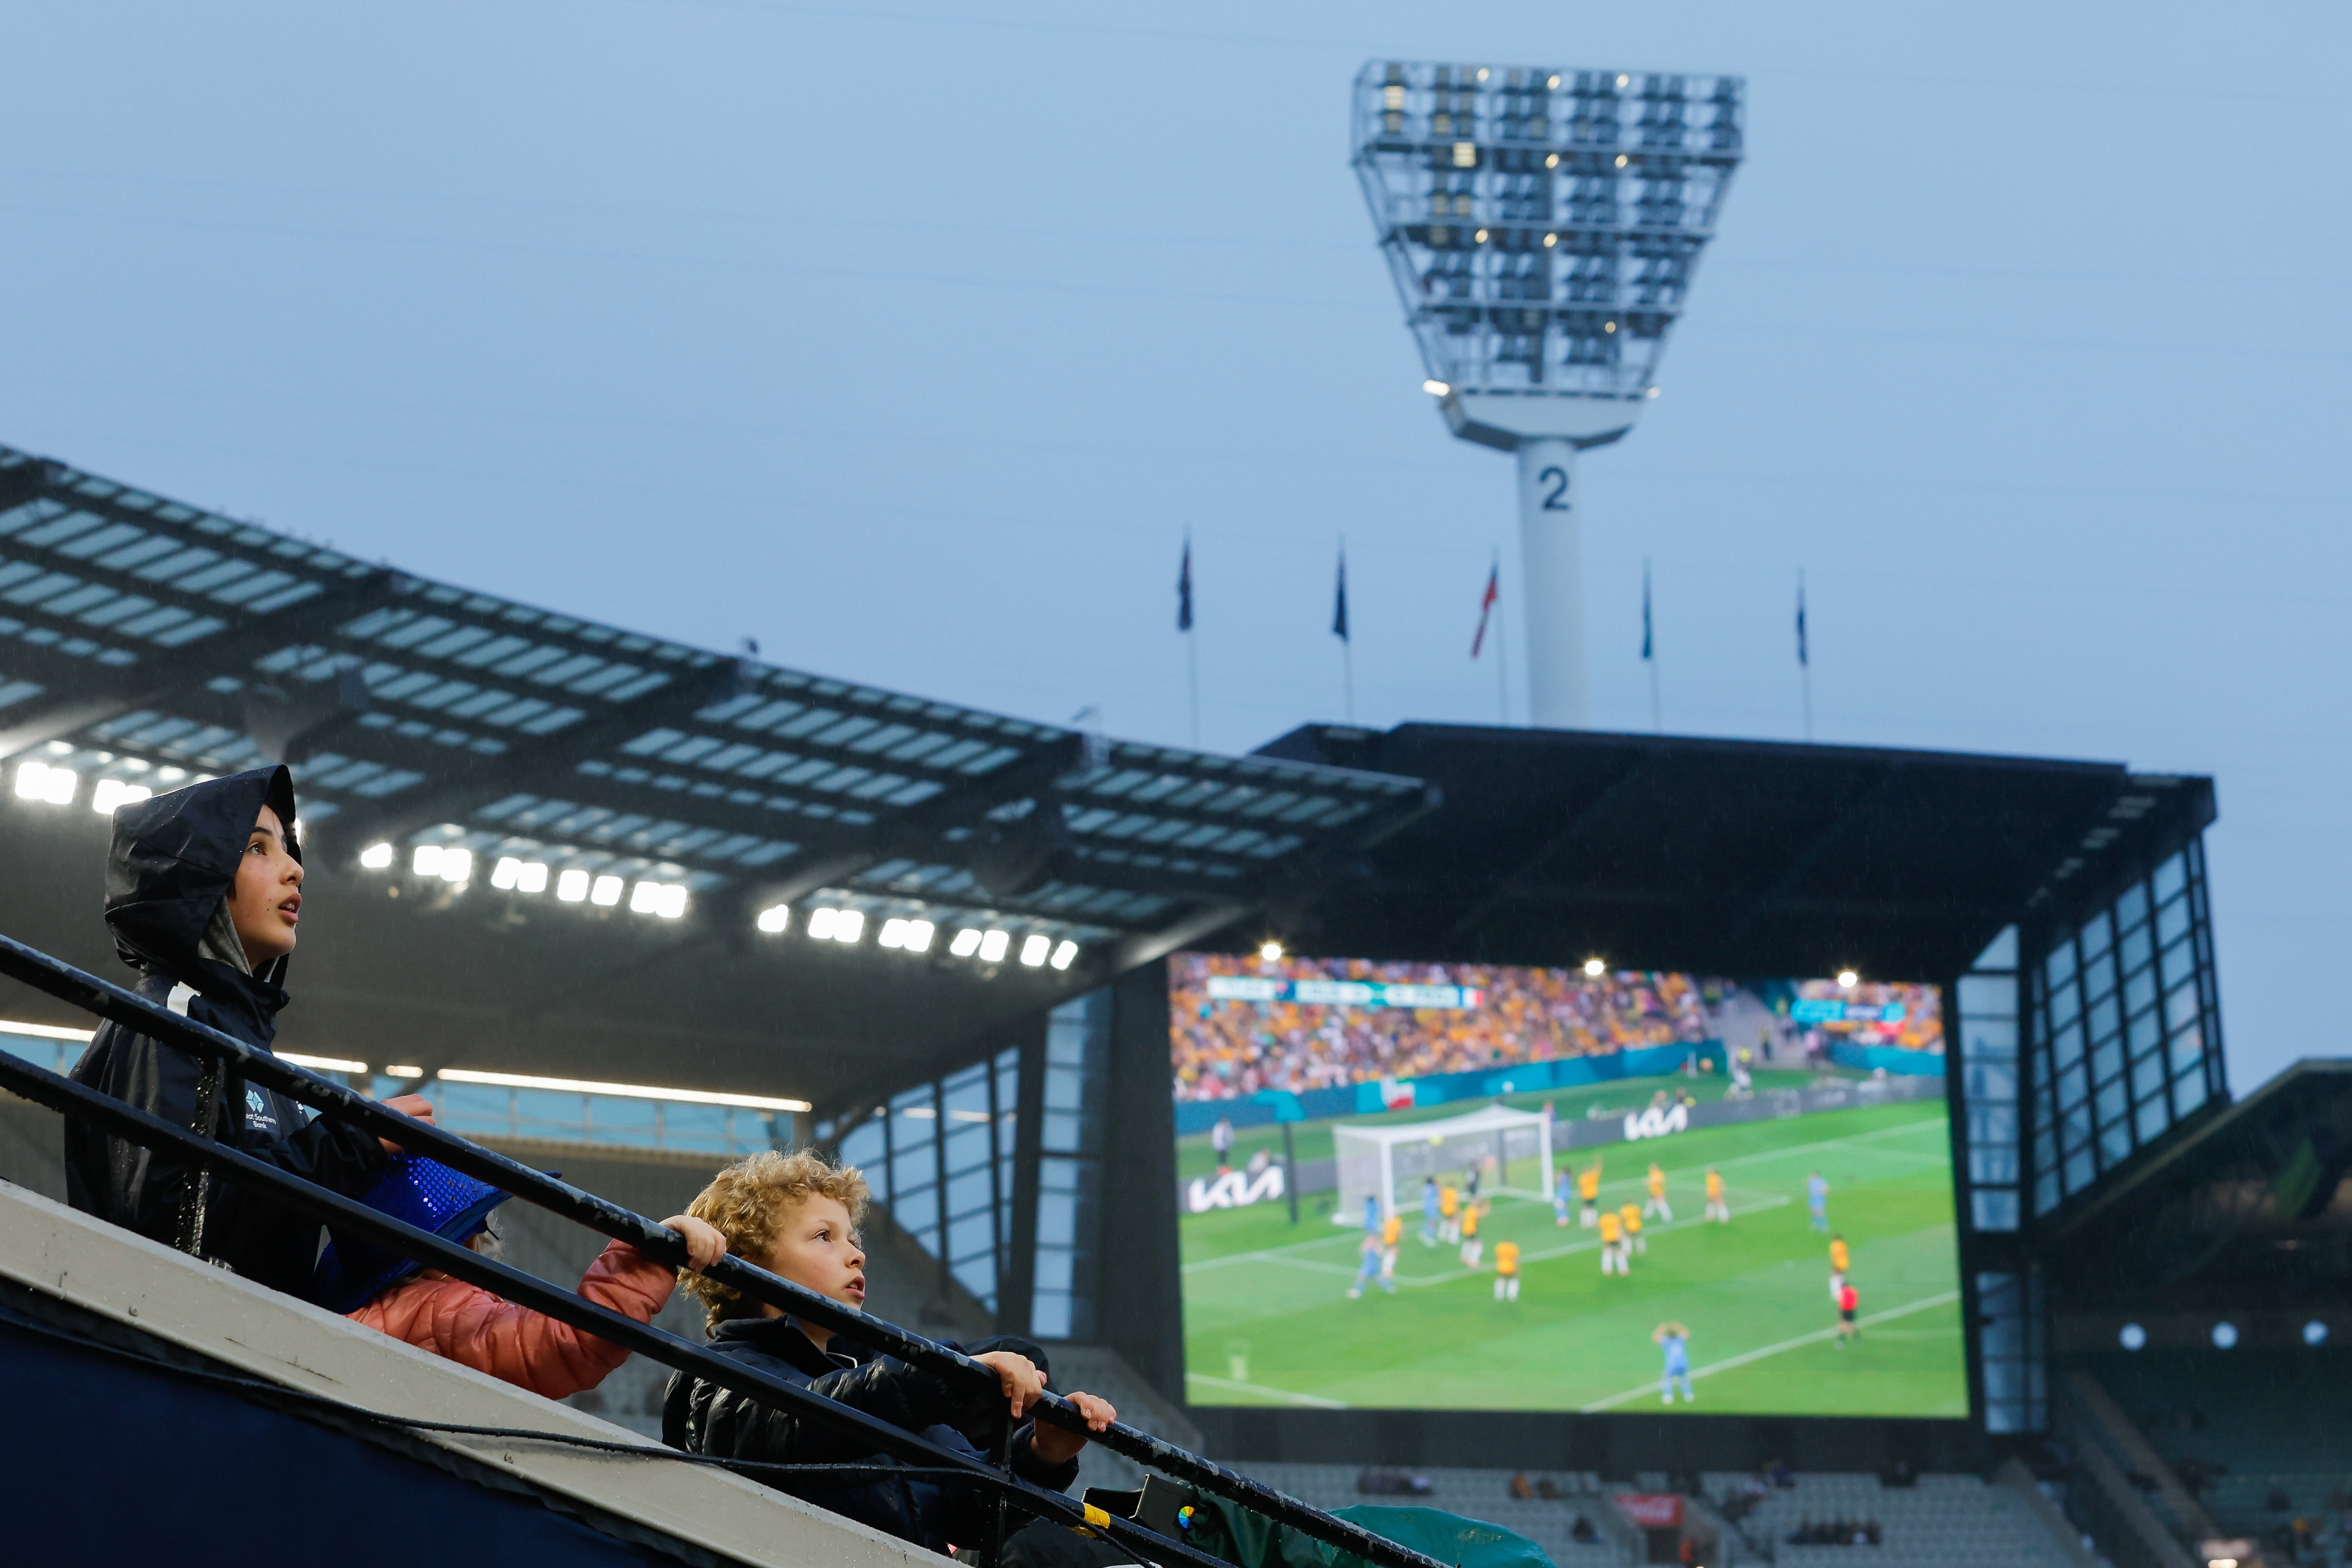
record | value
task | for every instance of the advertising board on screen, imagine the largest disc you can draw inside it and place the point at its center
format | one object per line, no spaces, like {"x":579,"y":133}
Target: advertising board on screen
{"x":1411,"y":1186}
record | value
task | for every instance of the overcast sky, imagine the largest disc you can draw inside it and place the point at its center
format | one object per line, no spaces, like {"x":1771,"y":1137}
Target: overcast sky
{"x":909,"y":339}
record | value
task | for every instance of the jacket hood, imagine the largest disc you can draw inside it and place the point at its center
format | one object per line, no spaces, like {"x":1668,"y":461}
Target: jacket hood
{"x":173,"y":861}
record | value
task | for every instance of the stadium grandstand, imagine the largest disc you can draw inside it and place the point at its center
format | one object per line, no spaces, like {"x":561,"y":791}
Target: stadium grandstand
{"x":629,"y":908}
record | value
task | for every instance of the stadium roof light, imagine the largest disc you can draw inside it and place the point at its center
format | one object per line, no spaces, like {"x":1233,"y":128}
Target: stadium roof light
{"x":604,"y":892}
{"x":1064,"y":955}
{"x":992,"y":946}
{"x":531,"y":877}
{"x":1543,"y":227}
{"x":45,"y":1031}
{"x":376,"y":857}
{"x":456,"y":864}
{"x":572,"y":886}
{"x":323,"y":1064}
{"x":625,"y":1091}
{"x":1595,"y":968}
{"x":1271,"y":951}
{"x":1847,"y":979}
{"x":775,"y":918}
{"x":404,"y":1069}
{"x":111,"y":795}
{"x":966,"y":944}
{"x":51,"y":786}
{"x":505,"y":873}
{"x":1035,"y":947}
{"x":666,"y":899}
{"x":426,"y":860}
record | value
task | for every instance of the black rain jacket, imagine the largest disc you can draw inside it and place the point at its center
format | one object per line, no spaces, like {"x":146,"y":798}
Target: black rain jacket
{"x":173,"y":861}
{"x":932,"y":1510}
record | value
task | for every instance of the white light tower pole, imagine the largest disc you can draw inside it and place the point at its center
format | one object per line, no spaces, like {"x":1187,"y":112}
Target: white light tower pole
{"x":1542,"y":226}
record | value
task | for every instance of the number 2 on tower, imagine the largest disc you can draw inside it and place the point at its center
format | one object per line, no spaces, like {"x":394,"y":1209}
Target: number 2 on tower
{"x":1555,"y":499}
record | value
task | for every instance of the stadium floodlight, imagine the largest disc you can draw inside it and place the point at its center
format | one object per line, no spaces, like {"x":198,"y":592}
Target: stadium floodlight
{"x":456,"y":864}
{"x":376,"y":857}
{"x":775,"y":918}
{"x":1594,"y":969}
{"x":572,"y":886}
{"x":992,"y":946}
{"x":1543,"y":226}
{"x":1034,"y":950}
{"x":1378,"y":1160}
{"x":1271,"y":952}
{"x":51,"y":786}
{"x":604,"y":892}
{"x":426,"y":861}
{"x":505,"y":873}
{"x":1066,"y":954}
{"x":530,"y":877}
{"x":111,"y":795}
{"x":966,"y":944}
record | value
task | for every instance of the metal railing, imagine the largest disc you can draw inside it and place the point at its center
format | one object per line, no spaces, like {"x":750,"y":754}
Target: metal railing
{"x":107,"y":1000}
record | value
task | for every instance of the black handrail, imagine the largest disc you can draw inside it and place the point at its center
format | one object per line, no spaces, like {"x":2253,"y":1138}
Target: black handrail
{"x":92,"y":994}
{"x":70,"y":1098}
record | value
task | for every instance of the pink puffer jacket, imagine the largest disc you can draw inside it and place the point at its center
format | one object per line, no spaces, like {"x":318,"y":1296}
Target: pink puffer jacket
{"x":469,"y":1325}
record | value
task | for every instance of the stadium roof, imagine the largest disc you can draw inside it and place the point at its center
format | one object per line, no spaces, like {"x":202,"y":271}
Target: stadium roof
{"x":1745,"y":858}
{"x":144,"y":641}
{"x":2248,"y":1195}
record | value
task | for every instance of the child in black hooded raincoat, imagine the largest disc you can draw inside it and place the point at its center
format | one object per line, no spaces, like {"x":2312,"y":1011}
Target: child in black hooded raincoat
{"x":203,"y":894}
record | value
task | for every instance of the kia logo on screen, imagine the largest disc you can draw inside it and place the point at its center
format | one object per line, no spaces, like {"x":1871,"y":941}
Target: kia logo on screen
{"x":1233,"y":1190}
{"x":1656,"y":1122}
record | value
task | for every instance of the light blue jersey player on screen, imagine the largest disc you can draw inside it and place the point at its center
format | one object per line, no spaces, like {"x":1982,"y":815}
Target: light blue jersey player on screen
{"x":1429,"y":1211}
{"x":1370,"y":1268}
{"x":1674,"y":1340}
{"x":1560,"y":1184}
{"x":1371,"y":1212}
{"x":1817,"y":1199}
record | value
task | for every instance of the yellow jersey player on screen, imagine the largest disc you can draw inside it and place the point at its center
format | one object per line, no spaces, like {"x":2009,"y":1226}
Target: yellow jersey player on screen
{"x":1391,"y":1232}
{"x":1716,"y":1209}
{"x":1472,"y":1248}
{"x":1506,"y":1271}
{"x":1632,"y":1218}
{"x":1588,"y":1188}
{"x":1449,"y":1213}
{"x":1612,"y":1244}
{"x":1657,"y":1204}
{"x":1841,"y":1261}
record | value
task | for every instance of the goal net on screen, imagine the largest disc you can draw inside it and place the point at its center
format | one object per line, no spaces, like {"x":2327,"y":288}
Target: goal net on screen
{"x":1387,"y":1162}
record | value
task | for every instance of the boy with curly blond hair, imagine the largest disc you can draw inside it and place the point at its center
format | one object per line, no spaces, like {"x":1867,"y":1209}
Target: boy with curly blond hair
{"x":797,"y":1216}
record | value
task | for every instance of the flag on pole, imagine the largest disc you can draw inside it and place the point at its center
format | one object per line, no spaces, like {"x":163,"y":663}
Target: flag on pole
{"x":1486,"y":606}
{"x":1802,"y":657}
{"x":1647,"y":645}
{"x":1184,"y":589}
{"x":1339,"y":609}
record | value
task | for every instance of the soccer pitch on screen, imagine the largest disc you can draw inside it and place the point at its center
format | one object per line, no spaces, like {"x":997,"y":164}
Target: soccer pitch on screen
{"x":1289,"y":1313}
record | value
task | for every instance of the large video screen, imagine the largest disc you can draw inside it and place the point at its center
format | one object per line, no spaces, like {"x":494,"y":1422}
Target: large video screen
{"x":1474,"y":1187}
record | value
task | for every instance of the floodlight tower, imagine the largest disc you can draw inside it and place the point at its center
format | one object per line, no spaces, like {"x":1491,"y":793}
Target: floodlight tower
{"x":1543,"y":226}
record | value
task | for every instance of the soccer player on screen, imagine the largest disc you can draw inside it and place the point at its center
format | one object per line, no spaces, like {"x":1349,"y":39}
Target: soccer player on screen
{"x":1657,"y":1204}
{"x":1849,"y":1302}
{"x":1472,"y":1248}
{"x":1559,"y":1185}
{"x":1716,"y":1209}
{"x":1506,"y":1271}
{"x":1449,"y":1213}
{"x":1369,"y":1267}
{"x":1841,"y":1259}
{"x":1391,"y":1232}
{"x":1429,"y":1211}
{"x":1674,"y":1341}
{"x":1631,"y":1214}
{"x":1612,"y":1242}
{"x":1588,"y":1188}
{"x":1817,"y":1199}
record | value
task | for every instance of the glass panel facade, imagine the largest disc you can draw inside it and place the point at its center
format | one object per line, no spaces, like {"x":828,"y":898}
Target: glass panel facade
{"x":2125,"y":1027}
{"x":1988,"y":1008}
{"x":939,"y":1158}
{"x":1069,"y":1168}
{"x":2009,"y":1308}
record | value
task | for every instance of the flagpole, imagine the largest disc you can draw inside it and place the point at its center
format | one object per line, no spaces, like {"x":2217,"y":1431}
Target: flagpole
{"x":1502,"y":650}
{"x":1347,"y":642}
{"x":1804,"y":655}
{"x":1192,"y":682}
{"x":1650,"y":652}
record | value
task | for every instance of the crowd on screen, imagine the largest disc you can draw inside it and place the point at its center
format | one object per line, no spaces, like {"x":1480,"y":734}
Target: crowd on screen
{"x":1230,"y":1050}
{"x":1226,"y":1050}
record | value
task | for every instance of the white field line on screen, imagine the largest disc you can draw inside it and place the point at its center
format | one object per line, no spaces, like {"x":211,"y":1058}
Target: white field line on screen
{"x":1816,"y":1337}
{"x":1347,"y":1238}
{"x":1315,"y":1400}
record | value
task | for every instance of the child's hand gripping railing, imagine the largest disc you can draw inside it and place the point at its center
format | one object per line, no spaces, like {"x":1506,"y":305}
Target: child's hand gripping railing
{"x":93,"y":994}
